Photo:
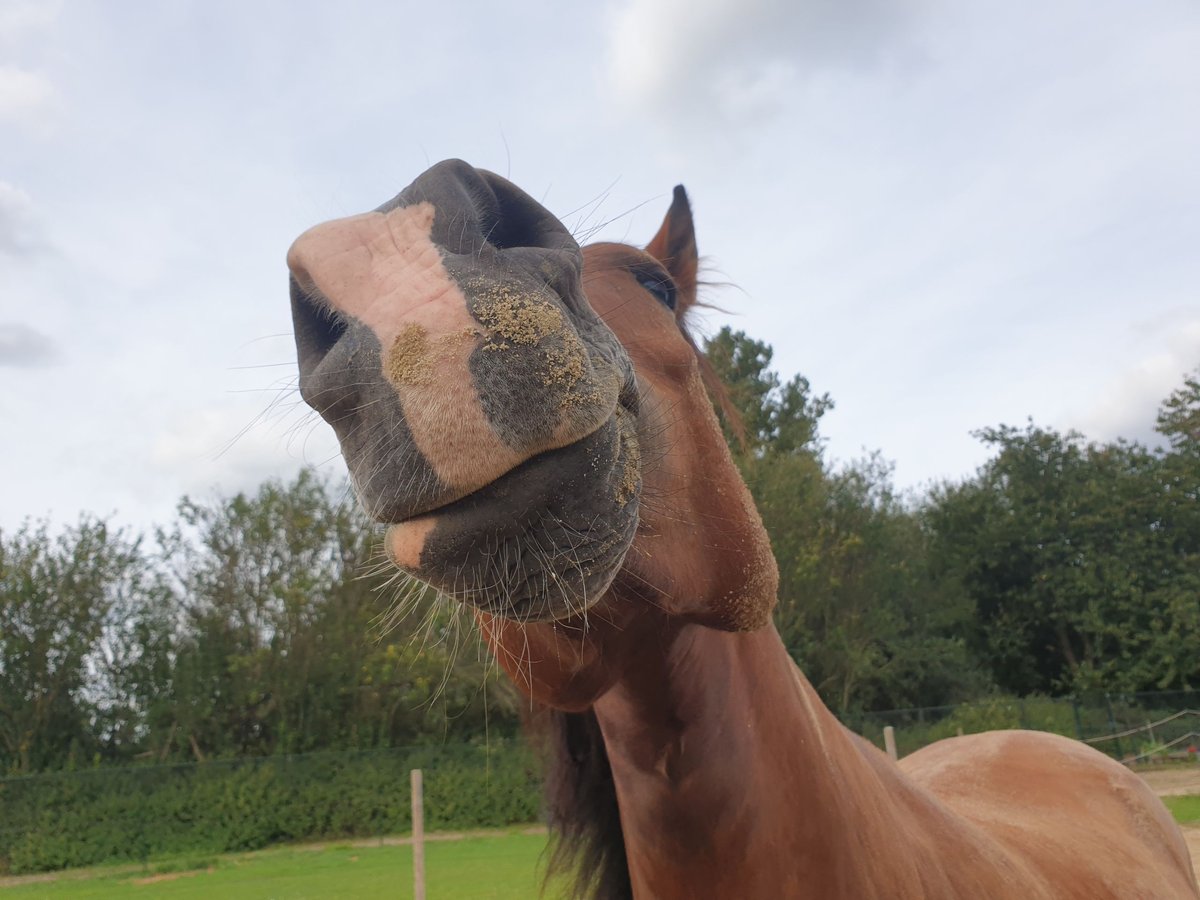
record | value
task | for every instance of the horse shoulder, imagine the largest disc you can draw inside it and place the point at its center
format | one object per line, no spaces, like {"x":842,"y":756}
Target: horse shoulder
{"x":1087,"y":823}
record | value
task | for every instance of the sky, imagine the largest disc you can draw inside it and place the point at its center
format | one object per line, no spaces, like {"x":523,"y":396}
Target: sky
{"x":946,"y":215}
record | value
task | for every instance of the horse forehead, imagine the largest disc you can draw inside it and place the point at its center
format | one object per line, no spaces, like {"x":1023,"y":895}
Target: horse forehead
{"x":607,"y":277}
{"x":607,"y":255}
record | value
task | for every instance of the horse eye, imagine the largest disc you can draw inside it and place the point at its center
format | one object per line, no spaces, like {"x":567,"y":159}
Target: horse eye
{"x":662,"y":288}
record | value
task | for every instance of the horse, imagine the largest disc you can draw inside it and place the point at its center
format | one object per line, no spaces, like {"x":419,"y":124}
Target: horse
{"x":535,"y":426}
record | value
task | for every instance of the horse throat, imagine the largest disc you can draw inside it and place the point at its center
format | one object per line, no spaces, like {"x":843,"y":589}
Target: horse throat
{"x":733,"y":779}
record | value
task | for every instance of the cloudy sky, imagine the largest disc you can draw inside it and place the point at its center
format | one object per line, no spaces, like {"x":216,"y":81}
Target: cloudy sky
{"x":947,"y":215}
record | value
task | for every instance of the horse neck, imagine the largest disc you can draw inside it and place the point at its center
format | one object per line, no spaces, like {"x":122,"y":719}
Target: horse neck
{"x":734,"y":780}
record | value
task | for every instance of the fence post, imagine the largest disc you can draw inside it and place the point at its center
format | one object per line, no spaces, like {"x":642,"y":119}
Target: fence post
{"x":1078,"y":720}
{"x":418,"y":835}
{"x":889,"y":741}
{"x":1112,"y":725}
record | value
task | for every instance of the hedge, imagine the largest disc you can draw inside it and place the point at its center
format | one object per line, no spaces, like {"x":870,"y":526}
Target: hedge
{"x":64,"y":819}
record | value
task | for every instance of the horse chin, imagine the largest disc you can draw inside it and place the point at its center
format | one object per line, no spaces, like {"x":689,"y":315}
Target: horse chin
{"x":541,"y":543}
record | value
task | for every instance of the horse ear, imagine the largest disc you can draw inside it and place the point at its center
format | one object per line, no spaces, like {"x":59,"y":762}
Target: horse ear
{"x":675,"y":247}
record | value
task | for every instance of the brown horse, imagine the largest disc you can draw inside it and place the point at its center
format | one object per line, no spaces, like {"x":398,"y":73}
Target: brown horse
{"x":532,"y":421}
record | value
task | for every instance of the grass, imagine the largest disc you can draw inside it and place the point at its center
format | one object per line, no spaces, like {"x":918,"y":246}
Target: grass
{"x":500,"y":867}
{"x":503,"y":866}
{"x":1186,"y":810}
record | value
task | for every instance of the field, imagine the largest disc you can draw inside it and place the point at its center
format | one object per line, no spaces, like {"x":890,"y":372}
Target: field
{"x":499,"y":866}
{"x":502,"y":865}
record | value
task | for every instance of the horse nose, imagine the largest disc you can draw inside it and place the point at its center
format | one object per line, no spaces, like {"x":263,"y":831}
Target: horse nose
{"x":447,"y":339}
{"x":478,"y":213}
{"x":297,"y":269}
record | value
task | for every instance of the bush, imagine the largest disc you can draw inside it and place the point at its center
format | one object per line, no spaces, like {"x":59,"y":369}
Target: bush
{"x":916,"y":728}
{"x":1100,"y":719}
{"x":82,"y":818}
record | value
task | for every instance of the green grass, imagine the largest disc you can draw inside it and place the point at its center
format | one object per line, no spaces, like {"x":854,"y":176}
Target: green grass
{"x":499,"y":867}
{"x":503,"y":866}
{"x":1186,"y":810}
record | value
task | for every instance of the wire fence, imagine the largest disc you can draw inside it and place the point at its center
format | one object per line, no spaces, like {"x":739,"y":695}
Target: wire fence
{"x":1134,"y":727}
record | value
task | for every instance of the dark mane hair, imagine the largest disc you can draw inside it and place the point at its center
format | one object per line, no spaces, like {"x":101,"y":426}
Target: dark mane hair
{"x":587,"y":844}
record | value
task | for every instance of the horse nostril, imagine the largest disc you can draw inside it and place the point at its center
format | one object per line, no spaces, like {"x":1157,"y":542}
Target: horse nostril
{"x":519,"y":221}
{"x":317,"y":326}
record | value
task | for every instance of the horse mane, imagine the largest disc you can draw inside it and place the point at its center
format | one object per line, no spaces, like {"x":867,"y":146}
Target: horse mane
{"x":587,"y":843}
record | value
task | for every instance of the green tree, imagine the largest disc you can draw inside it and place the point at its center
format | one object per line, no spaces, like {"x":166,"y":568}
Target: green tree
{"x":284,"y":646}
{"x":858,"y":607}
{"x":1176,"y":628}
{"x":1179,"y":416}
{"x":776,"y":417}
{"x":862,"y":611}
{"x":1065,"y":548}
{"x":62,"y":603}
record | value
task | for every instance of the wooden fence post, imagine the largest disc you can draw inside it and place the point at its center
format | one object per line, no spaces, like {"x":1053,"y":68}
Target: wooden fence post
{"x":418,"y":835}
{"x":889,"y":741}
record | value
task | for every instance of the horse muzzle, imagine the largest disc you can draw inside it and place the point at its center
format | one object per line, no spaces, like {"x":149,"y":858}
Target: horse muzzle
{"x":483,"y":409}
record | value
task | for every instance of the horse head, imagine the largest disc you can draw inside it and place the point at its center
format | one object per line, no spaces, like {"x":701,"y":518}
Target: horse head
{"x":530,"y":420}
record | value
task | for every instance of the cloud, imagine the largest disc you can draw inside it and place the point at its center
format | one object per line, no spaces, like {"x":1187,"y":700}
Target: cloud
{"x":237,"y":446}
{"x":25,"y":96}
{"x":19,"y":234}
{"x":739,"y":58}
{"x":1129,"y":403}
{"x":24,"y":347}
{"x":19,"y":17}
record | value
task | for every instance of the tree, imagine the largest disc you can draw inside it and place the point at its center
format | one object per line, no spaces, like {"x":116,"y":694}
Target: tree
{"x":776,"y":417}
{"x":283,"y":647}
{"x":1179,"y":416}
{"x":862,"y":611}
{"x":62,"y":603}
{"x":857,"y":605}
{"x":1066,"y":551}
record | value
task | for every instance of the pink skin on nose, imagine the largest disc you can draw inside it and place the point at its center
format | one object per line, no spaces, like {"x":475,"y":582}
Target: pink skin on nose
{"x":384,"y":270}
{"x":381,"y":269}
{"x":405,"y":542}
